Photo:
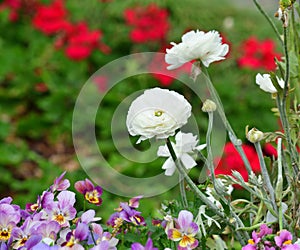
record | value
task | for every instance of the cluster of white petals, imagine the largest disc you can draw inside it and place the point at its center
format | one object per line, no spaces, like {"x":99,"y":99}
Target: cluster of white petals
{"x":197,"y":45}
{"x":157,"y":113}
{"x":186,"y":144}
{"x":265,"y":83}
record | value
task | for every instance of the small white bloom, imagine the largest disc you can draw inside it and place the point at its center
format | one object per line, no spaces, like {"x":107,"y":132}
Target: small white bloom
{"x":185,"y":145}
{"x":157,"y":113}
{"x":265,"y":83}
{"x":197,"y":44}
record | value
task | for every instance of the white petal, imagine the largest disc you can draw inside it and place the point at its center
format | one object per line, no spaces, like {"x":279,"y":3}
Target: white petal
{"x":188,"y":161}
{"x":197,"y":45}
{"x":163,"y":151}
{"x":169,"y":166}
{"x":265,"y":83}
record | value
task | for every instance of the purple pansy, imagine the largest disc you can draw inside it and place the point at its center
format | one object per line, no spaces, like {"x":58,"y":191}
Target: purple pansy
{"x":129,"y":214}
{"x":9,"y":218}
{"x":60,"y":183}
{"x":42,"y":202}
{"x":257,"y":239}
{"x":91,"y":193}
{"x":62,"y":211}
{"x":26,"y":235}
{"x":148,"y":246}
{"x":184,"y":231}
{"x":74,"y":237}
{"x":284,"y":241}
{"x":103,"y":239}
{"x":48,"y":230}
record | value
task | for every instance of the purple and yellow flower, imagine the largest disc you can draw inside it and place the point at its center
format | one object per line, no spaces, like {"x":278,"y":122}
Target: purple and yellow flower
{"x":91,"y":193}
{"x":185,"y":231}
{"x":26,"y":235}
{"x":148,"y":246}
{"x":42,"y":202}
{"x":284,"y":241}
{"x":74,"y":237}
{"x":9,"y":218}
{"x":62,"y":211}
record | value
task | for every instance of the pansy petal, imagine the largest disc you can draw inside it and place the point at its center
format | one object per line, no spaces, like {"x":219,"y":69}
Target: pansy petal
{"x":174,"y":234}
{"x":185,"y":219}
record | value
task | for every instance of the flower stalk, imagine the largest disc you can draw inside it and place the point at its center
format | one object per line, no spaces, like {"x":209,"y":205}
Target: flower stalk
{"x":232,"y":136}
{"x":265,"y":175}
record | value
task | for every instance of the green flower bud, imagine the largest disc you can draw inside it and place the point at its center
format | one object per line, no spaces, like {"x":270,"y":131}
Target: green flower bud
{"x":254,"y":135}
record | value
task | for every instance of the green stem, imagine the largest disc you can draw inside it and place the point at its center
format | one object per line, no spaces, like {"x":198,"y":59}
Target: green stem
{"x":232,"y":136}
{"x":269,"y":20}
{"x":182,"y":191}
{"x":192,"y":185}
{"x":279,"y":185}
{"x":210,"y":166}
{"x":265,"y":175}
{"x":282,"y":106}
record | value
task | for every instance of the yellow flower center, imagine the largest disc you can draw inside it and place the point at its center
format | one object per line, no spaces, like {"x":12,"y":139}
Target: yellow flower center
{"x":34,"y":207}
{"x":287,"y":242}
{"x":251,"y":241}
{"x":71,"y":242}
{"x":59,"y":218}
{"x":158,"y":113}
{"x":4,"y":234}
{"x":92,"y":197}
{"x":186,"y":241}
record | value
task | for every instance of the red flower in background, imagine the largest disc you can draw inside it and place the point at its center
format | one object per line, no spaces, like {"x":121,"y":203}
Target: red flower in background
{"x":77,"y":40}
{"x":80,"y":41}
{"x":149,"y":23}
{"x":51,"y":19}
{"x":231,"y":160}
{"x":258,"y":54}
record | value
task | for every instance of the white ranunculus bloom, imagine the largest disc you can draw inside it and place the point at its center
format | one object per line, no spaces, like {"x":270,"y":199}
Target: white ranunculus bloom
{"x":196,"y":45}
{"x":186,"y":144}
{"x":265,"y":83}
{"x":157,"y":113}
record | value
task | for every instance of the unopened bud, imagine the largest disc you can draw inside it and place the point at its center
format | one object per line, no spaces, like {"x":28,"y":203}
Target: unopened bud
{"x":254,"y":135}
{"x":209,"y":106}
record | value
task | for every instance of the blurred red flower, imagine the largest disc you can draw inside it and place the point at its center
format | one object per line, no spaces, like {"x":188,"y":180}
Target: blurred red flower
{"x":258,"y":54}
{"x":80,"y":41}
{"x":231,"y":160}
{"x":149,"y":23}
{"x":13,"y":6}
{"x":51,"y":19}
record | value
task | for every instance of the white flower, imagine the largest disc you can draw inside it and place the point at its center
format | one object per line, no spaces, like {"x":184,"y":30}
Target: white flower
{"x":186,"y":144}
{"x":265,"y":83}
{"x":157,"y":113}
{"x":197,"y":44}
